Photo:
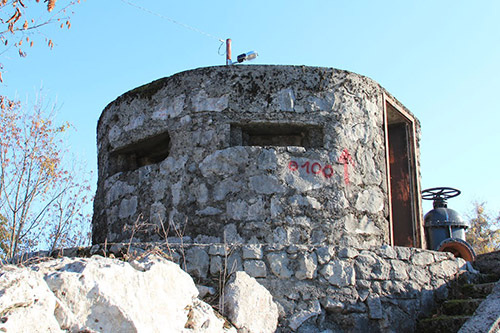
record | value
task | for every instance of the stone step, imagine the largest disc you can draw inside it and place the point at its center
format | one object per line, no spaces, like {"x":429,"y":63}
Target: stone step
{"x":486,"y":278}
{"x":441,"y":324}
{"x":481,"y":290}
{"x":464,"y":298}
{"x":460,"y":307}
{"x":453,"y":313}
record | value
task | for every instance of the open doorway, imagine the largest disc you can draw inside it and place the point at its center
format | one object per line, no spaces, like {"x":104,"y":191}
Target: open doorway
{"x":404,"y":188}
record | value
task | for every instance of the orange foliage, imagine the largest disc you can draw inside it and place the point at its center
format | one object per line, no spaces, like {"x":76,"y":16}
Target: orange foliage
{"x":51,"y":5}
{"x":40,"y":199}
{"x":37,"y":191}
{"x":12,"y":27}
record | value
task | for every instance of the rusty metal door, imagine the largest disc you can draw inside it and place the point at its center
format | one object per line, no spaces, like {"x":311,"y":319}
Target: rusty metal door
{"x":399,"y":163}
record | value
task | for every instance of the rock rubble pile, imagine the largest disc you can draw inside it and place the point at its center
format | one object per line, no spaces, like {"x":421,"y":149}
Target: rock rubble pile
{"x":100,"y":294}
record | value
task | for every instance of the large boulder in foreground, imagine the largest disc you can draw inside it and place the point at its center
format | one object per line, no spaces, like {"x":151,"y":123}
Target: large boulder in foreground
{"x":249,"y":306}
{"x":103,"y":295}
{"x":26,"y":302}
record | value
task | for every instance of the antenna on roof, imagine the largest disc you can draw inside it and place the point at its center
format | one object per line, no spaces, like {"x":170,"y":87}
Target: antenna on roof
{"x":228,"y":51}
{"x":239,"y":59}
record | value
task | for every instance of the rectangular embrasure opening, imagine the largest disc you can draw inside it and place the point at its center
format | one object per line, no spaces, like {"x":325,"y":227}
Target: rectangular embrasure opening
{"x":148,"y":151}
{"x":277,"y":134}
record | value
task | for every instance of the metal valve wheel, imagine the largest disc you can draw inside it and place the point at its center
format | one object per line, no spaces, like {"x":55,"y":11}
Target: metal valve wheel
{"x":444,"y":227}
{"x":440,"y":193}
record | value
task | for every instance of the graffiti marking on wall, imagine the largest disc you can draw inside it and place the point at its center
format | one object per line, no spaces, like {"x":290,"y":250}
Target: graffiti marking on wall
{"x":314,"y":168}
{"x":327,"y":170}
{"x":346,"y":159}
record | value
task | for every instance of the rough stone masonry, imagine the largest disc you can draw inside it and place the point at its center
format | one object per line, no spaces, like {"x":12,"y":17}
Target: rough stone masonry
{"x":321,"y":288}
{"x":252,"y":154}
{"x":278,"y":171}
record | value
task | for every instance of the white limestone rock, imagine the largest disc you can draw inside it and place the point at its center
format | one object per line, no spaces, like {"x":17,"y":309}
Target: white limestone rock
{"x":225,"y":187}
{"x":202,"y":318}
{"x":255,"y":268}
{"x":104,"y":295}
{"x":243,"y":295}
{"x":278,"y":263}
{"x":252,"y":251}
{"x":24,"y":301}
{"x":285,"y":100}
{"x":307,"y":266}
{"x":339,"y":273}
{"x":422,"y":258}
{"x":324,"y":254}
{"x":266,"y":184}
{"x":169,"y":108}
{"x":371,"y":200}
{"x":224,"y":162}
{"x":201,"y":102}
{"x":267,"y":160}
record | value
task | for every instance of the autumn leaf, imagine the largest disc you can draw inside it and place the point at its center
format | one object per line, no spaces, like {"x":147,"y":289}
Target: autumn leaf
{"x":17,"y":16}
{"x":33,"y":171}
{"x":51,"y":5}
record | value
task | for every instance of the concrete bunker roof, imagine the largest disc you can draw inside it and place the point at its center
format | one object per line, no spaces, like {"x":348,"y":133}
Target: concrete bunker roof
{"x":148,"y":90}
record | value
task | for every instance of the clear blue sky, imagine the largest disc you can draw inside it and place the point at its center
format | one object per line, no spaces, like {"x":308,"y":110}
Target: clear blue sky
{"x":441,"y":59}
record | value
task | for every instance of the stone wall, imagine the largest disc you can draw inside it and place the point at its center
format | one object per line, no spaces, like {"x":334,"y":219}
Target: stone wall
{"x":317,"y":288}
{"x":266,"y":154}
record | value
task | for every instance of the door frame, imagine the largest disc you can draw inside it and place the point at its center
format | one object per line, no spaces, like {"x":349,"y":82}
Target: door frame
{"x":414,"y":177}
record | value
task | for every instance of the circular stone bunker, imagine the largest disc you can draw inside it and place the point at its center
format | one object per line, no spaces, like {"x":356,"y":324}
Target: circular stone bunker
{"x":259,"y":154}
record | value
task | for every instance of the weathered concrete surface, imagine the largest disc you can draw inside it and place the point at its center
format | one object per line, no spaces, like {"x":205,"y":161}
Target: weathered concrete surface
{"x":487,"y":316}
{"x":261,"y":149}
